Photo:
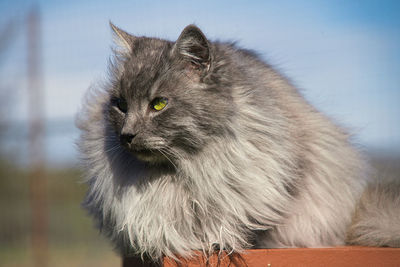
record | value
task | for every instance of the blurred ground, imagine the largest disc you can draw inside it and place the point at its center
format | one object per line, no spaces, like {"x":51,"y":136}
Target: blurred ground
{"x":73,"y":241}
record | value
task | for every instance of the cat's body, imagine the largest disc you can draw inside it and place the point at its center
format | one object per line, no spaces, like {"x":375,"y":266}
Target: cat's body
{"x":235,"y":157}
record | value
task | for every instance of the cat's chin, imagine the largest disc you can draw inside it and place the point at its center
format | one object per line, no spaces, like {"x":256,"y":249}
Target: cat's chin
{"x":151,"y":157}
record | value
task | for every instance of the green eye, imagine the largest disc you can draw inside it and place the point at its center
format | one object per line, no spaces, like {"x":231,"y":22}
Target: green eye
{"x":159,"y":103}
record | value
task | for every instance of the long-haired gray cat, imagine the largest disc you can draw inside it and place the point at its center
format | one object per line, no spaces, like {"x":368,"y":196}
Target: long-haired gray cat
{"x":199,"y":145}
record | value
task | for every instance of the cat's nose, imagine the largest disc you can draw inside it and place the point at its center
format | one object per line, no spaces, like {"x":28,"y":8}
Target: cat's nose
{"x":127,"y":138}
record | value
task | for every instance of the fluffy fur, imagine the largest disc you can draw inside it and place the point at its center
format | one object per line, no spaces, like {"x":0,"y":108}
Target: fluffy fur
{"x":238,"y":158}
{"x":376,"y":221}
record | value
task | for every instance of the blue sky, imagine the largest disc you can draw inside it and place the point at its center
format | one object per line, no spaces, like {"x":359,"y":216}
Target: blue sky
{"x":343,"y":55}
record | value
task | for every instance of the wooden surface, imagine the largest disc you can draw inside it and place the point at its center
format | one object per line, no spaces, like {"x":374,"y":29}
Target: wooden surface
{"x":337,"y":257}
{"x":326,"y":257}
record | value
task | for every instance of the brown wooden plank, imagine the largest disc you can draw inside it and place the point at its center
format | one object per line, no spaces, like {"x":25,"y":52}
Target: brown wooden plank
{"x":337,"y":257}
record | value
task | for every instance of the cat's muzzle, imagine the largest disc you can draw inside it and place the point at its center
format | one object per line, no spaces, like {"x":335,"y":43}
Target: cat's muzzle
{"x":141,"y":152}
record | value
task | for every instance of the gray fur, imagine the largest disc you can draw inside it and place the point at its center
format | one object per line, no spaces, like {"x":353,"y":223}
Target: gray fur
{"x":376,"y":221}
{"x":238,"y":158}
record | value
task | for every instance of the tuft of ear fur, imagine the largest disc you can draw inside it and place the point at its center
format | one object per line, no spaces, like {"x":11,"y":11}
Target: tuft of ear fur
{"x":193,"y":46}
{"x":122,"y":39}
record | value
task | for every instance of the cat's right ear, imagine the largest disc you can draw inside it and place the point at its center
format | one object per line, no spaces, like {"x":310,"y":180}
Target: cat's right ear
{"x":194,"y":47}
{"x":122,"y":39}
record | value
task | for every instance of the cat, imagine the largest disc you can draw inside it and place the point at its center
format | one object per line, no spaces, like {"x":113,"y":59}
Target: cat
{"x":199,"y":145}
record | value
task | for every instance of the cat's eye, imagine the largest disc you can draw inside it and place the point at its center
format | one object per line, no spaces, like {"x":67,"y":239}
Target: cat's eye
{"x":121,"y":104}
{"x":159,"y":103}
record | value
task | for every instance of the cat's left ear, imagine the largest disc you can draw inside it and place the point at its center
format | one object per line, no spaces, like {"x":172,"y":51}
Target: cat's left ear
{"x":193,"y":46}
{"x":123,"y":39}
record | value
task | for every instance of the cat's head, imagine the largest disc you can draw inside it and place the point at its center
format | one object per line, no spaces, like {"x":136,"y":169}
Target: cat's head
{"x":168,"y":99}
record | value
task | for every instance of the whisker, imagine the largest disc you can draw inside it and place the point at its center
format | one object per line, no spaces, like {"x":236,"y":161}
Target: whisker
{"x":176,"y":154}
{"x":113,"y":148}
{"x":165,"y":155}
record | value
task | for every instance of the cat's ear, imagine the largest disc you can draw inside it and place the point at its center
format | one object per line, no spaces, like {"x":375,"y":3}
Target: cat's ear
{"x":122,"y":39}
{"x":194,"y":47}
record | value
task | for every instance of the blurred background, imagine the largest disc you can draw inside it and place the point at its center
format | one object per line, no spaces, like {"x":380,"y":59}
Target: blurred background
{"x":343,"y":55}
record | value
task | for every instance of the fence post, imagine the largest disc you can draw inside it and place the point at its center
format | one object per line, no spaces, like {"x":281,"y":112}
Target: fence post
{"x":37,"y":179}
